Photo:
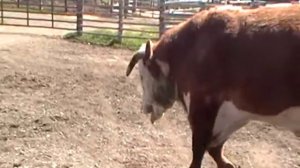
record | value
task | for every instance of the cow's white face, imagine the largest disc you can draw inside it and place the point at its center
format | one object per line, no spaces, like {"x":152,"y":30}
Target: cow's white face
{"x":158,"y":92}
{"x":149,"y":85}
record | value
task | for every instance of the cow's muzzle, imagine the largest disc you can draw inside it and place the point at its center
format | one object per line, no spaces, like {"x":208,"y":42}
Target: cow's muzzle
{"x":148,"y":109}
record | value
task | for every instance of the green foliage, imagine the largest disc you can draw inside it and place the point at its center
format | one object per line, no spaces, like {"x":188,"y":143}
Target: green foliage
{"x":108,"y":38}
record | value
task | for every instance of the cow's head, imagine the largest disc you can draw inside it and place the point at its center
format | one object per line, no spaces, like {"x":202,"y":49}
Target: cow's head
{"x":159,"y":92}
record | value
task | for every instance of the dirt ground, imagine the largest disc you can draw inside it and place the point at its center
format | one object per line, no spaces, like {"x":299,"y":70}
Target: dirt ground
{"x":65,"y":104}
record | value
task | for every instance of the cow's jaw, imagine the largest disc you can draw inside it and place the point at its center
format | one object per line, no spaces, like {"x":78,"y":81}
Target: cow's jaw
{"x":148,"y":82}
{"x":152,"y":92}
{"x":157,"y":113}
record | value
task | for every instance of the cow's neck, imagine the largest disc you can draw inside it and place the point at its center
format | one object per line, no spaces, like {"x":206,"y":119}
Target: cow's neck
{"x":173,"y":48}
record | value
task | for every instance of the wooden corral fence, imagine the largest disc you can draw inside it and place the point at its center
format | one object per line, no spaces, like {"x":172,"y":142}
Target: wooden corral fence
{"x":146,"y":19}
{"x":103,"y":17}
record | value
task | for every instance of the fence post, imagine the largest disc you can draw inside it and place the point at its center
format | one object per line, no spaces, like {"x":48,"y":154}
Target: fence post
{"x":126,"y":6}
{"x":134,"y":6}
{"x":52,"y":15}
{"x":95,"y":5}
{"x":79,"y":14}
{"x":40,"y":5}
{"x":66,"y":5}
{"x":1,"y":8}
{"x":18,"y":3}
{"x":27,"y":12}
{"x":161,"y":17}
{"x":121,"y":14}
{"x":111,"y":6}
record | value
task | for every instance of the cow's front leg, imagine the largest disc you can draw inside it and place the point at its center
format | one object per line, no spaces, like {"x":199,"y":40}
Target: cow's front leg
{"x":199,"y":143}
{"x":201,"y":117}
{"x":217,"y":154}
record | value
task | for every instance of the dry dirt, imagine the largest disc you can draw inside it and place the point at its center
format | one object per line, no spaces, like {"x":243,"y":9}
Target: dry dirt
{"x":65,"y":104}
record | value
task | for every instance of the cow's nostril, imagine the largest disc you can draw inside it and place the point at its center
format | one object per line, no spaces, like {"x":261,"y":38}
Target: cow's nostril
{"x":149,"y":109}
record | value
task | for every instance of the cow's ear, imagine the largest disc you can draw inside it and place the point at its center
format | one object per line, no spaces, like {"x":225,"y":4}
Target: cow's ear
{"x":136,"y":57}
{"x":148,"y":51}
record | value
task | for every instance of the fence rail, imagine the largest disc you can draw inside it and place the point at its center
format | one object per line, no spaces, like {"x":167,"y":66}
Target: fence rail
{"x":148,"y":17}
{"x":82,"y":17}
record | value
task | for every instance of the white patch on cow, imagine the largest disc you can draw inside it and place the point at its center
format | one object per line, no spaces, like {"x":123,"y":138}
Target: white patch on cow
{"x":187,"y":101}
{"x":164,"y":67}
{"x":230,"y":119}
{"x":148,"y":84}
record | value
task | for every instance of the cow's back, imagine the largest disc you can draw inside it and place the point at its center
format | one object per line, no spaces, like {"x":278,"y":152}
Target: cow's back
{"x":251,"y":61}
{"x":264,"y":60}
{"x":251,"y":56}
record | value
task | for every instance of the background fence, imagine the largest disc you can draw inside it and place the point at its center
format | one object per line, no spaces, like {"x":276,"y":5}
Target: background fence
{"x":119,"y":18}
{"x":139,"y":19}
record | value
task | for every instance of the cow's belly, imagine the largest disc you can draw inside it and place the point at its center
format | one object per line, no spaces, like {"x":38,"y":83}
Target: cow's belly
{"x":289,"y":119}
{"x":230,"y":119}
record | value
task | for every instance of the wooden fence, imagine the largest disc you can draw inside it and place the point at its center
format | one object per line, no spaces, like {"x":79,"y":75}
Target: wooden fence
{"x":146,"y":19}
{"x":136,"y":21}
{"x":13,"y":14}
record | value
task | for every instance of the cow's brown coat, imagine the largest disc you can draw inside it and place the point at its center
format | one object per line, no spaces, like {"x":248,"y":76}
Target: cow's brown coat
{"x":251,"y":58}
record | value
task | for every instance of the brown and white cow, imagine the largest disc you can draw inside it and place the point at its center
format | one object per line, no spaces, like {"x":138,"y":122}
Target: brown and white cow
{"x":226,"y":68}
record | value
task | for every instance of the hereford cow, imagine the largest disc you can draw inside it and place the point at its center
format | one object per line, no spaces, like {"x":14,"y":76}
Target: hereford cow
{"x":226,"y":68}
